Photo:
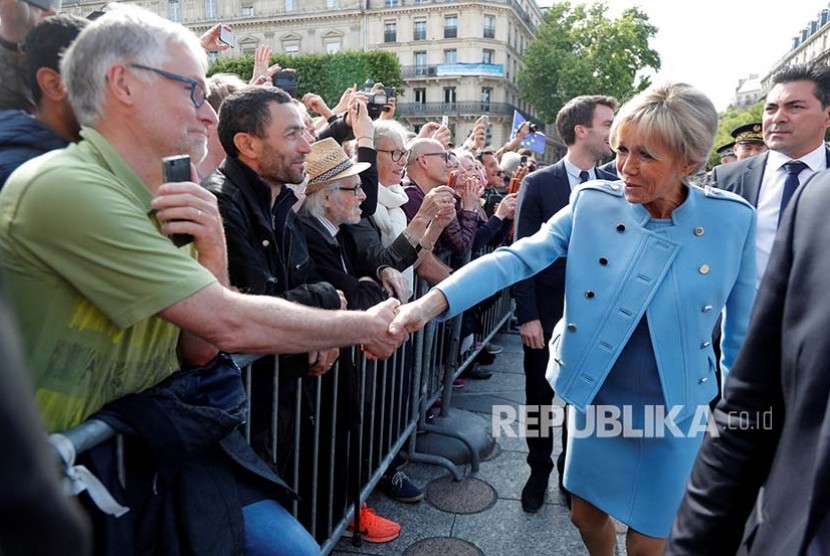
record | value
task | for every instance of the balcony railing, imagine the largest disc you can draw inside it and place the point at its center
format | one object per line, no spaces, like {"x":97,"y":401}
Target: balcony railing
{"x":466,"y":108}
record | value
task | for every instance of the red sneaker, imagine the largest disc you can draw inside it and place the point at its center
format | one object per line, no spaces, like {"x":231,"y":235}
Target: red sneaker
{"x":374,"y":528}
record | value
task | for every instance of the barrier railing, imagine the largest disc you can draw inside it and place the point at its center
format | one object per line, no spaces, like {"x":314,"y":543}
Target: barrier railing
{"x":333,"y":437}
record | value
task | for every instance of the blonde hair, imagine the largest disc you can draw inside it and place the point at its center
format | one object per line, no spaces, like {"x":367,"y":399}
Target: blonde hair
{"x":676,"y":114}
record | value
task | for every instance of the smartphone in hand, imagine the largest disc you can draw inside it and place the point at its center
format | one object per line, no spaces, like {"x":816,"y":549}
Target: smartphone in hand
{"x":177,"y":169}
{"x":226,"y":36}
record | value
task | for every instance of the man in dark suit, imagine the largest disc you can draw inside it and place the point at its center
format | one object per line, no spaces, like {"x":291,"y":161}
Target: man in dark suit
{"x":774,"y":419}
{"x":796,"y":116}
{"x":584,"y":124}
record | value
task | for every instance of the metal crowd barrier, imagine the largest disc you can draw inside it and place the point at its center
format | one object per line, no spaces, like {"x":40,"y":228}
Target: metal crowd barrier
{"x":332,"y":438}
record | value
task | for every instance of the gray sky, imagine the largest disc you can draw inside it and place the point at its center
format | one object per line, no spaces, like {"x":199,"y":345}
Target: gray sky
{"x":713,"y":43}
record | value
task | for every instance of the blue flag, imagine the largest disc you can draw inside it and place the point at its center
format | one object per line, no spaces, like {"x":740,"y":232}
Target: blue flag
{"x":533,"y":141}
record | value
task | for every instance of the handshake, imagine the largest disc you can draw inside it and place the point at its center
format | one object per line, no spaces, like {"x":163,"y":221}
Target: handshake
{"x":392,"y":322}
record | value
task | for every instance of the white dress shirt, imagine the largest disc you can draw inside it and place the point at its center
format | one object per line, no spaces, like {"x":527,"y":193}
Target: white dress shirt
{"x":574,"y":171}
{"x":769,"y":201}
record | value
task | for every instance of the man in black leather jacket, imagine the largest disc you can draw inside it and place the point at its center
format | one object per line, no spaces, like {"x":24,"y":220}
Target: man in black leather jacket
{"x":263,"y":135}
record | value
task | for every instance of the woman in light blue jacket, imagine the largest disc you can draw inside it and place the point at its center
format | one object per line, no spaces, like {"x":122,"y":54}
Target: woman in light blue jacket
{"x":652,"y":262}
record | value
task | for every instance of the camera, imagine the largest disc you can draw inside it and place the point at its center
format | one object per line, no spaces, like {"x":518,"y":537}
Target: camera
{"x":376,"y":102}
{"x":531,"y":127}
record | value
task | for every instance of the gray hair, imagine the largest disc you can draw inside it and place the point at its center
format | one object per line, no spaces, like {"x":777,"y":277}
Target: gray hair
{"x":679,"y":115}
{"x":386,"y":129}
{"x":126,"y":34}
{"x":312,"y":205}
{"x":510,"y":162}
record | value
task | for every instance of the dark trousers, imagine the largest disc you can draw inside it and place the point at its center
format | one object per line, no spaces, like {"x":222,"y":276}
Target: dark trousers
{"x":539,"y":393}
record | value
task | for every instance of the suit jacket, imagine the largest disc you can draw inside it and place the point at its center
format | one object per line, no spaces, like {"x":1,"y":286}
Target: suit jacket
{"x":542,"y":194}
{"x":618,"y":271}
{"x":781,"y":374}
{"x":744,"y":177}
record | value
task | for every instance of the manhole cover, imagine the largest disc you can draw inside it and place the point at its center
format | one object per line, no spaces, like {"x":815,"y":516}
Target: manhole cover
{"x":441,"y":546}
{"x":469,"y":496}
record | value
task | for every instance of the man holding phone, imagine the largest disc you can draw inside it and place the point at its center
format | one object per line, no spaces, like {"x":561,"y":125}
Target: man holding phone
{"x":109,"y":306}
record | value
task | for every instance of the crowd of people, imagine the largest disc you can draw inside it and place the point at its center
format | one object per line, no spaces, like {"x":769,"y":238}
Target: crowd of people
{"x":298,"y":232}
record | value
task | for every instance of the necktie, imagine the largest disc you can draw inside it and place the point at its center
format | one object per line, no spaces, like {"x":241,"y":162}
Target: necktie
{"x":584,"y":176}
{"x":793,"y":168}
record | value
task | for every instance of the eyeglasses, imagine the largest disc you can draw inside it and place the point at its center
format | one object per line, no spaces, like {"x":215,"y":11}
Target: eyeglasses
{"x":448,"y":157}
{"x":355,"y":190}
{"x":197,"y":90}
{"x":396,"y":155}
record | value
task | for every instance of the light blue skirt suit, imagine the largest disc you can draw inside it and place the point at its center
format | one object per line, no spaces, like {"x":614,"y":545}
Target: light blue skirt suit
{"x":642,"y":297}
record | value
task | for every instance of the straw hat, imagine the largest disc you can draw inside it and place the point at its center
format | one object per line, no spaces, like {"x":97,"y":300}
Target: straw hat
{"x":327,"y":162}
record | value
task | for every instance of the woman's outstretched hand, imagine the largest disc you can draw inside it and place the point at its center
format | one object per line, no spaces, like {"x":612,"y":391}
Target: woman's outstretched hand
{"x":411,"y":317}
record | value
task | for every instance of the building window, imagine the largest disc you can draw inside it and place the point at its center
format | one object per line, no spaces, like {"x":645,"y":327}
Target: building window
{"x":450,"y":56}
{"x":420,"y":95}
{"x":390,"y":31}
{"x":486,"y":96}
{"x":332,"y":4}
{"x":420,"y":58}
{"x":210,"y":9}
{"x":487,"y":56}
{"x":174,"y":10}
{"x":450,"y":26}
{"x":391,"y":3}
{"x":291,"y":48}
{"x":332,"y":46}
{"x":291,"y":5}
{"x":449,"y":95}
{"x":489,"y":26}
{"x":419,"y":33}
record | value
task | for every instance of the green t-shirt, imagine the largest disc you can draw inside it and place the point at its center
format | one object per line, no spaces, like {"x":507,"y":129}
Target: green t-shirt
{"x":87,"y":270}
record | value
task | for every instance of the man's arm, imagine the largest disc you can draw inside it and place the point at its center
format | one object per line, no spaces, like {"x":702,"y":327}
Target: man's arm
{"x":239,"y":323}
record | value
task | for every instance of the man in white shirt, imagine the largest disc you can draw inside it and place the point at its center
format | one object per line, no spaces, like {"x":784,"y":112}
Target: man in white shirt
{"x":796,"y":116}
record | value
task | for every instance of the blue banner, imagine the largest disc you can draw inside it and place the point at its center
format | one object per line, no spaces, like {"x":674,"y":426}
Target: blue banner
{"x":492,"y":70}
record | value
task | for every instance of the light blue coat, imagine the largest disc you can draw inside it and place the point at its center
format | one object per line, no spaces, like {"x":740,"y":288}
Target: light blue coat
{"x":618,"y":270}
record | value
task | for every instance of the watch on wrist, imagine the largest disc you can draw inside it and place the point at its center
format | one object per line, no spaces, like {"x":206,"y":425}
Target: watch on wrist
{"x":411,"y":239}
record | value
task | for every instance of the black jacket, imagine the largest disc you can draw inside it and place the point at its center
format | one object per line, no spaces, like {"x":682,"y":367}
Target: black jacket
{"x":363,"y":240}
{"x":326,"y":252}
{"x":188,"y":469}
{"x":267,"y":251}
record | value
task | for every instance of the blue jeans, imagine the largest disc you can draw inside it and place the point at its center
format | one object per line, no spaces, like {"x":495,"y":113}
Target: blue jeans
{"x":271,"y":531}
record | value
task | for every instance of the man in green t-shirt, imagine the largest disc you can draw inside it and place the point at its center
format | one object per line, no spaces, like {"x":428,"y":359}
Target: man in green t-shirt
{"x":107,"y":304}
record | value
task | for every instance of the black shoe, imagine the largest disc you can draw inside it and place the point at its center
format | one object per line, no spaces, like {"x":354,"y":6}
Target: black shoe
{"x":484,"y":358}
{"x":533,"y":494}
{"x":474,"y":372}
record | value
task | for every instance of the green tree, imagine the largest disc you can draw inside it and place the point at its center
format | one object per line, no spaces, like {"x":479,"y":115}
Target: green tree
{"x":327,"y":75}
{"x":729,"y":120}
{"x":578,"y":50}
